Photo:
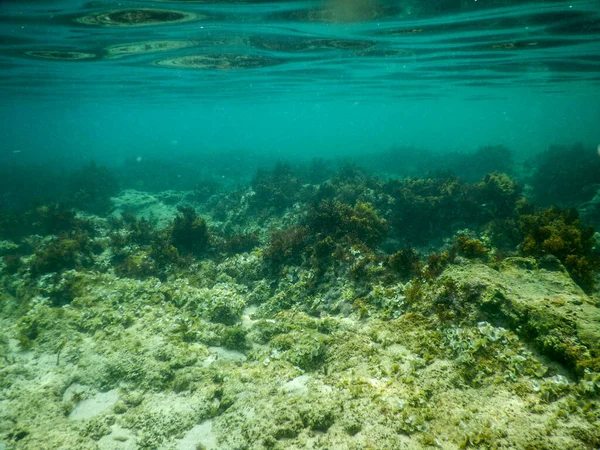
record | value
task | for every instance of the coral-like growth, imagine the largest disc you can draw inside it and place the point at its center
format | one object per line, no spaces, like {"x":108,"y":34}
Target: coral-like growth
{"x":559,"y":232}
{"x":189,"y":233}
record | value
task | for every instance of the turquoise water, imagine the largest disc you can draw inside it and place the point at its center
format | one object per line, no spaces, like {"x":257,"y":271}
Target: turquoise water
{"x":340,"y":224}
{"x":295,"y":78}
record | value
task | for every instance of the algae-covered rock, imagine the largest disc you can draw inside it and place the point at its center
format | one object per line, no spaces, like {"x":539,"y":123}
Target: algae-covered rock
{"x":544,"y":307}
{"x":188,"y":332}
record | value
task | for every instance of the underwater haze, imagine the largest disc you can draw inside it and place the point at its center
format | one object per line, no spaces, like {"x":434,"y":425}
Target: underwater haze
{"x":291,"y":225}
{"x":108,"y":80}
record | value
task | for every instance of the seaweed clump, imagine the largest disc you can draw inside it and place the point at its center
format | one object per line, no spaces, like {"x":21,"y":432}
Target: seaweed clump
{"x":275,"y":189}
{"x":498,"y":194}
{"x":502,"y":203}
{"x":406,"y":263}
{"x":343,"y":223}
{"x":44,"y":219}
{"x":425,"y":209}
{"x":240,"y":243}
{"x":66,"y":251}
{"x":558,"y":232}
{"x":189,"y":233}
{"x":332,"y":230}
{"x":141,"y":251}
{"x":285,"y":246}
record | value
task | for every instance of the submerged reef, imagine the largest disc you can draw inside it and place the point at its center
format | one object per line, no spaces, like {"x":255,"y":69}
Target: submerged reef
{"x":314,"y":305}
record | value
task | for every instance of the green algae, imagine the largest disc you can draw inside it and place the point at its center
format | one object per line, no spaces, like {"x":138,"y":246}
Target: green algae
{"x":362,"y":350}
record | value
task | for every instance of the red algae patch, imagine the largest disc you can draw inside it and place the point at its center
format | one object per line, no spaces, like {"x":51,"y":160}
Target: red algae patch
{"x":138,"y":17}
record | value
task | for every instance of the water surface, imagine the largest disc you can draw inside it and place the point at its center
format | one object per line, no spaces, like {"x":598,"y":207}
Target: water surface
{"x":100,"y":79}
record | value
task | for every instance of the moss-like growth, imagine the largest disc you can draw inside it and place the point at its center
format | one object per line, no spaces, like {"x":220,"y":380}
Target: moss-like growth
{"x":189,"y":233}
{"x":138,"y":265}
{"x":45,"y":219}
{"x":559,"y":232}
{"x":139,"y":250}
{"x":70,"y":285}
{"x":350,"y":185}
{"x":240,"y":243}
{"x":345,"y":224}
{"x":67,"y":251}
{"x":12,"y":263}
{"x":406,"y":263}
{"x":498,"y":193}
{"x":483,"y":352}
{"x":344,"y":235}
{"x":437,"y":262}
{"x":221,"y":304}
{"x":471,"y":248}
{"x":318,"y":171}
{"x":427,"y":209}
{"x":286,"y":246}
{"x":11,"y":224}
{"x":304,"y":349}
{"x":164,"y":254}
{"x":53,"y":218}
{"x":128,"y":229}
{"x":235,"y":338}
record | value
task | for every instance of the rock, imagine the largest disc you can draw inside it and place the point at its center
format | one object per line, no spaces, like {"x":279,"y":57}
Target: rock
{"x":544,"y":307}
